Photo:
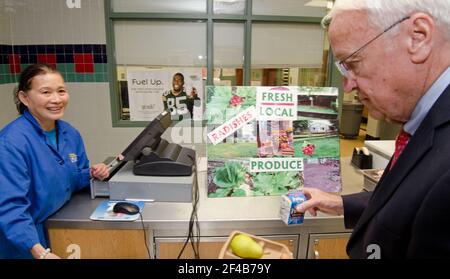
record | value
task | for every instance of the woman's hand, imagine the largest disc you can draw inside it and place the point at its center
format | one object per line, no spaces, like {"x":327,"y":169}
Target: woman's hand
{"x":39,"y":250}
{"x":51,"y":256}
{"x":99,"y":171}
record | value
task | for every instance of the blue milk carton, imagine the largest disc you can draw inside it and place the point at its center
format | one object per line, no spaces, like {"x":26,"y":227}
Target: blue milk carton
{"x":287,"y":209}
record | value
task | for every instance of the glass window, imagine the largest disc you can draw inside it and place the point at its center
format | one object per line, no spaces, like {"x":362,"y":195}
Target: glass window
{"x":285,"y":50}
{"x":229,"y":6}
{"x":151,"y":53}
{"x":287,"y":44}
{"x":310,"y":8}
{"x":159,"y":6}
{"x":160,"y":43}
{"x":228,"y":53}
{"x":288,"y":54}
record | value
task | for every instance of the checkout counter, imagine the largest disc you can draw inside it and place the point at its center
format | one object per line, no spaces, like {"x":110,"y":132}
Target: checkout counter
{"x":164,"y":225}
{"x":73,"y":235}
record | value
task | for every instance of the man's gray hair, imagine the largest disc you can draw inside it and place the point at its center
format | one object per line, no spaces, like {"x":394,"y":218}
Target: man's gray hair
{"x":383,"y":13}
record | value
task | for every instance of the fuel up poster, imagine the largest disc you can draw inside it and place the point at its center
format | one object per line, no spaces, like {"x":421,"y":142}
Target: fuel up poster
{"x":179,"y":90}
{"x":268,"y":140}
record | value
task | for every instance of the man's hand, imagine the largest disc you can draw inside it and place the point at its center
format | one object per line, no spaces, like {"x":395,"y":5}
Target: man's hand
{"x":320,"y":200}
{"x":99,"y":171}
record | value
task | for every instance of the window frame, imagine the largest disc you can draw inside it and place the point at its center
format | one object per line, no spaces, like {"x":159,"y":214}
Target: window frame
{"x":210,"y":18}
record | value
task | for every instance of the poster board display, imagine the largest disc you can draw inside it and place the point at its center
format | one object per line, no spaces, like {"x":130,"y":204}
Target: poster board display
{"x":180,"y":90}
{"x":269,"y":140}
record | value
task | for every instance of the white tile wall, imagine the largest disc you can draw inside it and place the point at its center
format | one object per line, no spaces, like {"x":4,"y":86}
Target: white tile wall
{"x":7,"y":108}
{"x":5,"y":33}
{"x":52,"y":22}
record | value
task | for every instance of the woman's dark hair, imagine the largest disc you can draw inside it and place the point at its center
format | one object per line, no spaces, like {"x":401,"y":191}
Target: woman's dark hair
{"x":25,"y":79}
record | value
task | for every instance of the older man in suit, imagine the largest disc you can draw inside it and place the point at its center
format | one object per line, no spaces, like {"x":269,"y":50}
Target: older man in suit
{"x":396,"y":55}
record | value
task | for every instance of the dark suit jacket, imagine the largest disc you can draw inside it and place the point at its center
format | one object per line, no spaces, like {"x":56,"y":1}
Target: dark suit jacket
{"x":408,"y":214}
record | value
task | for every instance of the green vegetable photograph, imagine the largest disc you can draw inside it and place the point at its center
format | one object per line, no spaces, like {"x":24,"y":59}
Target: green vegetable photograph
{"x":312,"y":137}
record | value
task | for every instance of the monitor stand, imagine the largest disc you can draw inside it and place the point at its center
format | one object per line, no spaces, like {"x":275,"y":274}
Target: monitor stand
{"x":125,"y":185}
{"x":166,"y":159}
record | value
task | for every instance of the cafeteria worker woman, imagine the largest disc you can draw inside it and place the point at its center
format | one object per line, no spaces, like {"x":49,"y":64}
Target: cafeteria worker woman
{"x":42,"y":162}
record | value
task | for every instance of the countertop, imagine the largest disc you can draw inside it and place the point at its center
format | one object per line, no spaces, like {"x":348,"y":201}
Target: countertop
{"x":216,"y":216}
{"x":383,"y":147}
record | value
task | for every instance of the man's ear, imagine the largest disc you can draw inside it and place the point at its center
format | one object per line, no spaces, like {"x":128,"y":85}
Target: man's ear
{"x":421,"y":35}
{"x":23,"y":97}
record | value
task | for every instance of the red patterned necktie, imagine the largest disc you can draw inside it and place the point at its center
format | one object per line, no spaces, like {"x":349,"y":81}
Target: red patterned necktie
{"x":400,"y":144}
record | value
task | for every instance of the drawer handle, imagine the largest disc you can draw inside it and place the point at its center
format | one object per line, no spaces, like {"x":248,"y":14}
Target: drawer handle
{"x":316,"y":251}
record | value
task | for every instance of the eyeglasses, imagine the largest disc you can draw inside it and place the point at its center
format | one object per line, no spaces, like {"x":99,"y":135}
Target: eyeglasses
{"x":343,"y":67}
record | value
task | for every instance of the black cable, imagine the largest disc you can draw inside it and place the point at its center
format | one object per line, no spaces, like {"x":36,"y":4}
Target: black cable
{"x":194,"y":239}
{"x":190,"y":238}
{"x":195,"y":242}
{"x":145,"y":236}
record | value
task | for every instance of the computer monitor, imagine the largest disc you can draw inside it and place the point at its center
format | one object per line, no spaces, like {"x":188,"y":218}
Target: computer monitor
{"x":153,"y":156}
{"x":149,"y":137}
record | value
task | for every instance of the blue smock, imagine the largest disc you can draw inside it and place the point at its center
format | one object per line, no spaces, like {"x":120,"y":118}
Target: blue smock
{"x":36,"y":180}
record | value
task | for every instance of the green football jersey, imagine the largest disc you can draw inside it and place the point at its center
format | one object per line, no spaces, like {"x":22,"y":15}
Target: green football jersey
{"x":180,"y":106}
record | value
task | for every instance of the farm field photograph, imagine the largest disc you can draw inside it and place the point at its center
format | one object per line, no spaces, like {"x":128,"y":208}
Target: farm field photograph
{"x":250,"y":157}
{"x":324,"y":174}
{"x":232,"y":150}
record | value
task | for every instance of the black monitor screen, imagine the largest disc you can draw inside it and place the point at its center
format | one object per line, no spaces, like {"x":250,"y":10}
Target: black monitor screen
{"x":149,"y":137}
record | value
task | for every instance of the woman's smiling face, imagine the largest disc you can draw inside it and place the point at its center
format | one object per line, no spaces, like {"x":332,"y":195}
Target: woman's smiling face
{"x":46,"y":99}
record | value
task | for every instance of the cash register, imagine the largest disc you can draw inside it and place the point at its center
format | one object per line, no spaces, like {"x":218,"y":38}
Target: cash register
{"x":150,"y":168}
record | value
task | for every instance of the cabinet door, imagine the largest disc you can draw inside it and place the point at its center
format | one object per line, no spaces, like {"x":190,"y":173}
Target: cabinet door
{"x":209,"y":247}
{"x":328,"y":246}
{"x":99,"y":244}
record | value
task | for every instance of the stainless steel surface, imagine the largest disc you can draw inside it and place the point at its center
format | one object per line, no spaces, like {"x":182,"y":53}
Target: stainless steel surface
{"x":218,"y":217}
{"x":126,"y":185}
{"x":262,"y":212}
{"x":219,"y":213}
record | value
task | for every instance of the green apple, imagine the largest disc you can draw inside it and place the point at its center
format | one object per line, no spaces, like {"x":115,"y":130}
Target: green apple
{"x":245,"y":247}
